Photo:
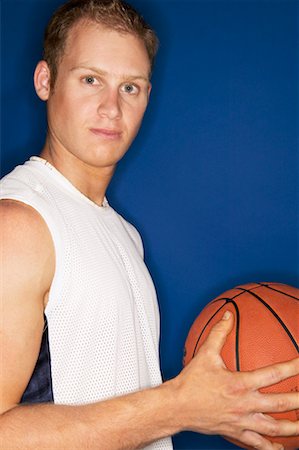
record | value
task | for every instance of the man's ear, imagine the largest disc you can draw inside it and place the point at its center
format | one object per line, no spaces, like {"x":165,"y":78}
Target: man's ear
{"x":42,"y":80}
{"x":149,"y":91}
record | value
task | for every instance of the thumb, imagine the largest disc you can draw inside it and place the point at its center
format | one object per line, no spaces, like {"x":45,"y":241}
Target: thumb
{"x":218,"y":334}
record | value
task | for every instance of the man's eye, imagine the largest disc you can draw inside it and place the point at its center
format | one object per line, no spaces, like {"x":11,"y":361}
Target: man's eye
{"x":90,"y":80}
{"x":130,"y":88}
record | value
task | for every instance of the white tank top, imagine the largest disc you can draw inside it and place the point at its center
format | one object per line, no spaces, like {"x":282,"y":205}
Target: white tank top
{"x":102,"y":313}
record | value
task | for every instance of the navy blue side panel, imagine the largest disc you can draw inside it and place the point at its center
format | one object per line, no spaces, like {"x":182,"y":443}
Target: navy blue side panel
{"x":39,"y":388}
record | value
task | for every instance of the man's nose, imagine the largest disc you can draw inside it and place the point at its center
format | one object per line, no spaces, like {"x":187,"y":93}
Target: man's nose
{"x":109,"y":104}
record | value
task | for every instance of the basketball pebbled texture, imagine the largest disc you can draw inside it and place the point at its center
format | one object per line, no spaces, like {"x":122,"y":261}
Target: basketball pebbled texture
{"x":265,"y":332}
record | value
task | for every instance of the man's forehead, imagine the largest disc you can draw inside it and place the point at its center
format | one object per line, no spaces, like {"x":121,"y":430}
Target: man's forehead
{"x":89,"y":27}
{"x":90,"y":44}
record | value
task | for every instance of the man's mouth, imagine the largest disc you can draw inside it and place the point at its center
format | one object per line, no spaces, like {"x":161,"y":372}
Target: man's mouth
{"x":106,"y":133}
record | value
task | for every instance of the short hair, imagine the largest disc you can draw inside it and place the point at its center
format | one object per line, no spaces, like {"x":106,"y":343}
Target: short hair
{"x":114,"y":14}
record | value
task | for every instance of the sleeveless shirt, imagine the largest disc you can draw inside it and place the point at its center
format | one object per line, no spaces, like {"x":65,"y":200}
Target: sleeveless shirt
{"x":101,"y":336}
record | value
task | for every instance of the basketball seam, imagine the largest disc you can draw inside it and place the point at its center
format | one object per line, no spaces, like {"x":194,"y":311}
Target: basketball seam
{"x":275,"y":315}
{"x":227,"y":300}
{"x":277,"y":290}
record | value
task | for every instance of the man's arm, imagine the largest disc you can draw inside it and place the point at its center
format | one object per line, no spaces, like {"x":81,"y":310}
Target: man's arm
{"x":132,"y":421}
{"x":27,"y":268}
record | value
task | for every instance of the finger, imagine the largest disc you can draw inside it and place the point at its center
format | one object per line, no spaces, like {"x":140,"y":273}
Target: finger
{"x":218,"y":334}
{"x":267,"y":425}
{"x":271,"y":374}
{"x":277,"y":402}
{"x":258,"y":442}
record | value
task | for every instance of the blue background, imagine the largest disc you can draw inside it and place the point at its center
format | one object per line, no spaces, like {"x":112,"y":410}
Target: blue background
{"x":211,"y":181}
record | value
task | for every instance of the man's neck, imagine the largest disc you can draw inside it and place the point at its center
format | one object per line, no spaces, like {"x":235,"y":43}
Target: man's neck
{"x":92,"y":181}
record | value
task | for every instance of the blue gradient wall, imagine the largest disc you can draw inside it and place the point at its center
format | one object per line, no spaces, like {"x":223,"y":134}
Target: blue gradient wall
{"x":211,"y":181}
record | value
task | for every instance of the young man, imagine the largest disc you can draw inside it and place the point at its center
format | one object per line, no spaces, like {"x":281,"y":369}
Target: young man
{"x":80,"y":328}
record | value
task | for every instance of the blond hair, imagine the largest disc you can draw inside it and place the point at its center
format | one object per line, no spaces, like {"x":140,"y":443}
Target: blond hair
{"x":115,"y":14}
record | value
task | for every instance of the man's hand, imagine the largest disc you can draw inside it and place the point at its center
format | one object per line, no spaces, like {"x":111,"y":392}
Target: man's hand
{"x":214,"y":400}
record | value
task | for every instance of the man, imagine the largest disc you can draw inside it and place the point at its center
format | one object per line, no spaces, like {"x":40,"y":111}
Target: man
{"x":80,"y":322}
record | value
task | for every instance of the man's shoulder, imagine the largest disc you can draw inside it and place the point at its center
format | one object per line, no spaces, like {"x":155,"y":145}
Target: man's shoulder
{"x":20,"y":177}
{"x":26,"y":186}
{"x":22,"y":224}
{"x":16,"y":172}
{"x":133,"y":233}
{"x":20,"y":219}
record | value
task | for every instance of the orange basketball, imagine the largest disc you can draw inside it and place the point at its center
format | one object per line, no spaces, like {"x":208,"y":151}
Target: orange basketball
{"x":266,"y":331}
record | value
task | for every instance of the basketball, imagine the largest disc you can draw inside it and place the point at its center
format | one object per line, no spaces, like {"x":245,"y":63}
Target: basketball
{"x":265,"y":332}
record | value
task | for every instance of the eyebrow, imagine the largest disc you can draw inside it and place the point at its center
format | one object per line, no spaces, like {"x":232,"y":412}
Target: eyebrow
{"x":104,"y":73}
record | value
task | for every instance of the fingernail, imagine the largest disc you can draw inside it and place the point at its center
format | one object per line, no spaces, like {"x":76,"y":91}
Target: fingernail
{"x":226,"y":315}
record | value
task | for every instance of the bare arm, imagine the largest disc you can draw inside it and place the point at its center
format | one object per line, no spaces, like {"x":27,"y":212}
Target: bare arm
{"x":128,"y":422}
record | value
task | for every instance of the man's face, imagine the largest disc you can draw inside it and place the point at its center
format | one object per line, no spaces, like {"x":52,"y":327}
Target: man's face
{"x":100,"y":94}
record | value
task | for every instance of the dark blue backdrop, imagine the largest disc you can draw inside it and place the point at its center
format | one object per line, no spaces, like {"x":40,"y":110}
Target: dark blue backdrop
{"x":212,"y":180}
